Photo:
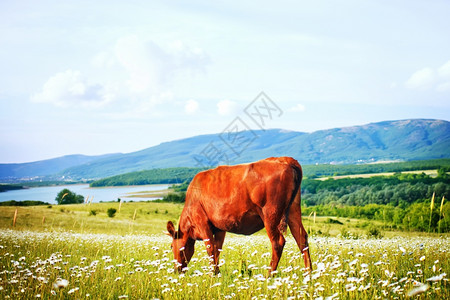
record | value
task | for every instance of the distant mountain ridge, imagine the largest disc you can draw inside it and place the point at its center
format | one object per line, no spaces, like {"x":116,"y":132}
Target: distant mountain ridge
{"x":400,"y":140}
{"x":46,"y":167}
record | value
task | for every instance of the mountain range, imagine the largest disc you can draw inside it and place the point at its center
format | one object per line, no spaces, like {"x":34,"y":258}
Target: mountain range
{"x":400,"y":140}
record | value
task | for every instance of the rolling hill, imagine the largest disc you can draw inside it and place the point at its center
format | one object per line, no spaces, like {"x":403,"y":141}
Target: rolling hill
{"x":400,"y":140}
{"x":46,"y":167}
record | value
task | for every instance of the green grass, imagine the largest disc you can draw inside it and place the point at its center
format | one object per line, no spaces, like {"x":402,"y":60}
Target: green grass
{"x":112,"y":258}
{"x":150,"y":217}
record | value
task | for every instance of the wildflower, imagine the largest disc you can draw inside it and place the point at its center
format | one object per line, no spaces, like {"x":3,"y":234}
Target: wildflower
{"x":216,"y":284}
{"x":123,"y":296}
{"x":60,"y":283}
{"x":350,"y":287}
{"x":321,"y":267}
{"x":422,"y":258}
{"x":335,"y":295}
{"x":353,"y":262}
{"x":118,"y":278}
{"x":73,"y":290}
{"x":403,"y":279}
{"x":418,"y":290}
{"x":437,"y":278}
{"x":306,"y":279}
{"x":340,"y":274}
{"x":383,"y":282}
{"x":42,"y":279}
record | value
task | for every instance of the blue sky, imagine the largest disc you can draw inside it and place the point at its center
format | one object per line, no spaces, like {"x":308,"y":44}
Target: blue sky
{"x":96,"y":77}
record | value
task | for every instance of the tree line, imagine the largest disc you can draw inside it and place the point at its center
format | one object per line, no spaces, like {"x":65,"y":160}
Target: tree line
{"x":417,"y":217}
{"x":314,"y":171}
{"x":154,"y":176}
{"x":397,"y":190}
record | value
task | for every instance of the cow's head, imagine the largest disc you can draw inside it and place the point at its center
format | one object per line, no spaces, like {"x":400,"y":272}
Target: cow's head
{"x":182,"y":247}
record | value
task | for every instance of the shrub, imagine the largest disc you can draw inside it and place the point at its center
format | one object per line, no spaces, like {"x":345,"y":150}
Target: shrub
{"x":111,"y":212}
{"x":175,"y":197}
{"x":93,"y":212}
{"x":334,"y":221}
{"x":374,"y":232}
{"x":66,"y":196}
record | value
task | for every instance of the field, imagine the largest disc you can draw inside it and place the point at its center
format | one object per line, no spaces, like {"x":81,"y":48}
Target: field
{"x":74,"y":253}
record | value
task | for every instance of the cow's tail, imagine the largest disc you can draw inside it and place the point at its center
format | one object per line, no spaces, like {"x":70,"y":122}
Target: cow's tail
{"x":298,"y":174}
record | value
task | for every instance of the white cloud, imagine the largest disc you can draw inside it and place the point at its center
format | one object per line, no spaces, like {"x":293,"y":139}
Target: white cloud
{"x":444,"y":70}
{"x":145,"y":63}
{"x":151,"y":67}
{"x":69,"y":88}
{"x":429,"y":78}
{"x":141,"y":72}
{"x":298,"y":108}
{"x":421,"y":79}
{"x":191,"y":106}
{"x":227,"y":107}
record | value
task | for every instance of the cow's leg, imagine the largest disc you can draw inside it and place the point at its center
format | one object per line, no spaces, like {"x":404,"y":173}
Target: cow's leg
{"x":213,"y":246}
{"x":211,"y":243}
{"x":278,"y":241}
{"x":219,"y":237}
{"x":299,"y":232}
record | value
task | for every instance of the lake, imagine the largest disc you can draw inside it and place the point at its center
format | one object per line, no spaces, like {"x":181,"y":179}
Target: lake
{"x":48,"y":193}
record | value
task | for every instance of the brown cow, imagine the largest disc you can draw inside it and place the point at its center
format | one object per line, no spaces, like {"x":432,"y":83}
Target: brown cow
{"x":241,"y":199}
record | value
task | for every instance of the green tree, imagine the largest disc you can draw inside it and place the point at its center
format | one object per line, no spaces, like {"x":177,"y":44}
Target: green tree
{"x":66,"y":196}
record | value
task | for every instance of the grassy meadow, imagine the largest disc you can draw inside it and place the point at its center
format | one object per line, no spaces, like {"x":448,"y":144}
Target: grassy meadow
{"x":77,"y":252}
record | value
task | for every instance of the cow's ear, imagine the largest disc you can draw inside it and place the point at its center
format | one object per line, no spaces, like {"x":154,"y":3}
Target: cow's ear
{"x":171,"y":228}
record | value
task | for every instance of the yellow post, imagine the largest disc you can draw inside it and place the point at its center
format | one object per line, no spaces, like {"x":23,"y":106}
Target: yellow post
{"x":431,"y":211}
{"x":15,"y":218}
